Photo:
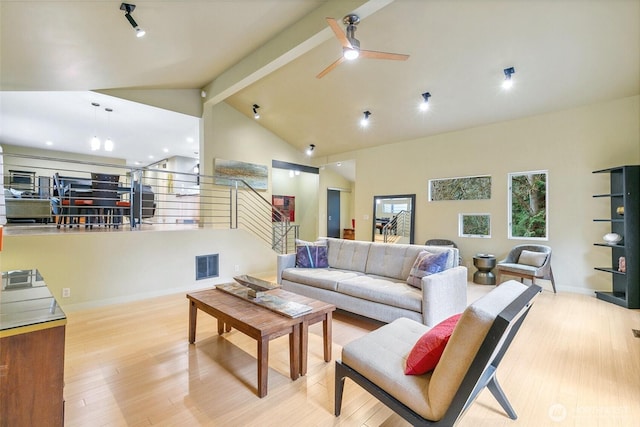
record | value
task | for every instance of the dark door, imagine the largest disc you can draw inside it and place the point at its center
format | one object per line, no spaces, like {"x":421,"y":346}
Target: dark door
{"x":333,"y":213}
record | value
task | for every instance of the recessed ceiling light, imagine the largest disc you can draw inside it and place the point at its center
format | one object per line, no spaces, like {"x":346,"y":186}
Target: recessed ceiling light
{"x":189,"y":139}
{"x":151,"y":156}
{"x":48,"y":143}
{"x":166,"y":150}
{"x":338,"y":164}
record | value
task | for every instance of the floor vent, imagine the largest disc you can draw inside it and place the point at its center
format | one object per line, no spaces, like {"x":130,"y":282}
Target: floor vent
{"x":207,"y":266}
{"x":636,"y":333}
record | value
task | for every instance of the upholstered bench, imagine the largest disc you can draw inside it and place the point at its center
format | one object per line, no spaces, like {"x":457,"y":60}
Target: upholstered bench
{"x":377,"y":361}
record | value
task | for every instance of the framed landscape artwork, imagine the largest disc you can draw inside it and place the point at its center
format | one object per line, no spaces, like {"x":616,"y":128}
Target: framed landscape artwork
{"x":226,"y":171}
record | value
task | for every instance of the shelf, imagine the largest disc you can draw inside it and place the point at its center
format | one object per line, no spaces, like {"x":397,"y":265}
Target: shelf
{"x":619,"y":298}
{"x":609,"y":270}
{"x":609,"y":195}
{"x":608,"y":245}
{"x":608,"y":220}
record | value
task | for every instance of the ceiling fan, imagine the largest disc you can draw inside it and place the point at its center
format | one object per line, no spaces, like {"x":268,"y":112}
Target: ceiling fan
{"x":351,"y":45}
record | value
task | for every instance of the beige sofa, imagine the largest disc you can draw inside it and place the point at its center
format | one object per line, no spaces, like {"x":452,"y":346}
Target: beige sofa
{"x":370,"y":279}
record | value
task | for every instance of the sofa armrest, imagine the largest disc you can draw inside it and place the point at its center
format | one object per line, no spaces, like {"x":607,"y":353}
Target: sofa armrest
{"x":285,"y":261}
{"x":443,"y":295}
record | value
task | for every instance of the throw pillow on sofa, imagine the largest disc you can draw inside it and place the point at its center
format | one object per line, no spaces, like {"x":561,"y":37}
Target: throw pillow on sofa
{"x":426,"y":263}
{"x":426,"y":353}
{"x":311,"y":254}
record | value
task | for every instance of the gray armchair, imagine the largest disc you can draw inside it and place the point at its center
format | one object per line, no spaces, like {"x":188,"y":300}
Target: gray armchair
{"x":527,"y":262}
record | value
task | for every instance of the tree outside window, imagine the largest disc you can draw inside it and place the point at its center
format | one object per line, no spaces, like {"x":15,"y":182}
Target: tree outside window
{"x":528,"y":205}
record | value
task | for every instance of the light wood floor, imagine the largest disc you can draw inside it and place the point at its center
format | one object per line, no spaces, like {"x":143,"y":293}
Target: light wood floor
{"x":575,"y":362}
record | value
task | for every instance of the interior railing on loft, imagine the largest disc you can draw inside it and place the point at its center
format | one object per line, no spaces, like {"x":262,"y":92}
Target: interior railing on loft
{"x":399,"y":225}
{"x":61,"y":195}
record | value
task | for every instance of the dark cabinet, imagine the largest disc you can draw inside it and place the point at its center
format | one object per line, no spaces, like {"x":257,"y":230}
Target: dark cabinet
{"x":624,"y":202}
{"x":32,"y":336}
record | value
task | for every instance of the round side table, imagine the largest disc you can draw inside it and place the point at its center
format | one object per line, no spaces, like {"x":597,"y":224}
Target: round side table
{"x":484,"y":263}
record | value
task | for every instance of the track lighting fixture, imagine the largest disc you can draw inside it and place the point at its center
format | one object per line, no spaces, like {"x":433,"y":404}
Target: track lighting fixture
{"x":256,"y":115}
{"x":310,"y":149}
{"x":508,"y":83}
{"x":128,"y":8}
{"x":365,"y":120}
{"x":424,"y":105}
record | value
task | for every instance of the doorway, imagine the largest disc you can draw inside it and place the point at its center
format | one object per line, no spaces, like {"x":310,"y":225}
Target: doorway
{"x":333,"y":213}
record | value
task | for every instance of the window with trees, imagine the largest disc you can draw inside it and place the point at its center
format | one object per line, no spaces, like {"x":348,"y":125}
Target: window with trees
{"x":528,"y":207}
{"x":474,"y":225}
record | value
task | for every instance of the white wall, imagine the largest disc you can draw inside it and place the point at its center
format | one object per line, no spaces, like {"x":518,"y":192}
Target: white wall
{"x":569,"y":144}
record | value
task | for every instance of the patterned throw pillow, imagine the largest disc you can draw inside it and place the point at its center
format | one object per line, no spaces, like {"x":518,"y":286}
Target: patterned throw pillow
{"x":425,"y":264}
{"x":427,"y":351}
{"x":311,"y":256}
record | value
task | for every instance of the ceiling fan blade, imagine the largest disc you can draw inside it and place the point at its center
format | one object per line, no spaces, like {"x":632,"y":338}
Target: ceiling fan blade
{"x":372,"y":54}
{"x":337,"y":30}
{"x":330,"y":67}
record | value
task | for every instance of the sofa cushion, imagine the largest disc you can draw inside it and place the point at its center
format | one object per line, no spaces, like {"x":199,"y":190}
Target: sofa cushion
{"x":382,"y":290}
{"x":311,"y":256}
{"x":324,"y":278}
{"x":426,"y":263}
{"x":348,"y":254}
{"x":393,"y":261}
{"x":532,"y":258}
{"x":426,"y":353}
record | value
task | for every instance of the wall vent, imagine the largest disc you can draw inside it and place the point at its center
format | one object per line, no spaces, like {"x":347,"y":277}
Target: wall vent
{"x":207,"y":266}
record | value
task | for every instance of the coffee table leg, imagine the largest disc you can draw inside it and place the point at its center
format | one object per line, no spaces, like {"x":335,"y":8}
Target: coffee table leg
{"x":295,"y":358}
{"x":193,"y":312}
{"x":220,"y":326}
{"x":263,"y":365}
{"x":326,"y":332}
{"x":304,"y":347}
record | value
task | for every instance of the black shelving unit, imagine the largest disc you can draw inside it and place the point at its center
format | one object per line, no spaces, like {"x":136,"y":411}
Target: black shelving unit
{"x":625,"y":194}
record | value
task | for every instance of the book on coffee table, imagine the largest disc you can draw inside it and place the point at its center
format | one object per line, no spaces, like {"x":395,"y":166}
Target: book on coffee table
{"x":271,"y":302}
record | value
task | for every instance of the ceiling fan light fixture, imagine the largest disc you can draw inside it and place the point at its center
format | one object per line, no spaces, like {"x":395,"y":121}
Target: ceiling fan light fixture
{"x":310,"y":149}
{"x":255,"y":108}
{"x":365,"y":120}
{"x":424,"y":105}
{"x":350,"y":53}
{"x":508,"y":82}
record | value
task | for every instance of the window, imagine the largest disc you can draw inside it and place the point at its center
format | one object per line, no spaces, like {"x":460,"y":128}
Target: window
{"x":528,"y":207}
{"x":395,"y":208}
{"x":474,"y":225}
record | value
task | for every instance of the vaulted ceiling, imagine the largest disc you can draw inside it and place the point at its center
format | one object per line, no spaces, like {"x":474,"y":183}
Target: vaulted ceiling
{"x":566,"y":53}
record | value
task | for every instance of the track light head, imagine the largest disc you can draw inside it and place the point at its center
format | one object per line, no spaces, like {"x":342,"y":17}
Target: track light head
{"x":424,"y":105}
{"x":508,"y":83}
{"x":256,"y":115}
{"x":310,"y":149}
{"x":365,"y":120}
{"x":128,"y":8}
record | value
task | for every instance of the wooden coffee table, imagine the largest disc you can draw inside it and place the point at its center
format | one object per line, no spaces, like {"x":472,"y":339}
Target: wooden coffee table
{"x":264,"y":325}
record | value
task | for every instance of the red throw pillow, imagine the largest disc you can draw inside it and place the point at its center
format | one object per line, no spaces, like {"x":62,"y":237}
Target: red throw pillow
{"x":426,"y":353}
